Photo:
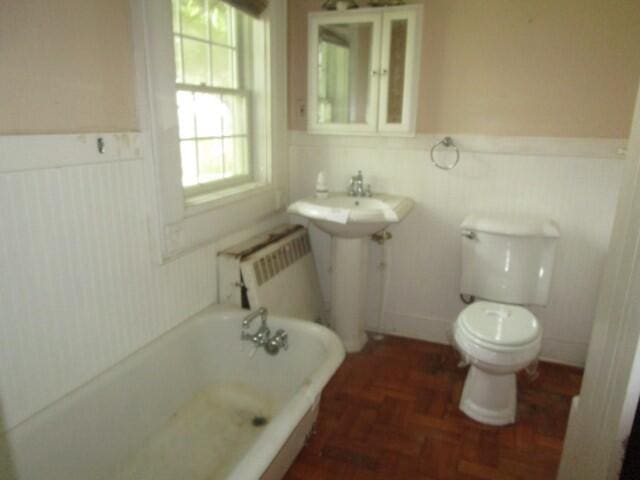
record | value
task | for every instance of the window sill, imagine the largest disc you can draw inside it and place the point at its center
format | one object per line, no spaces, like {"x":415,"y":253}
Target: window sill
{"x":204,"y":202}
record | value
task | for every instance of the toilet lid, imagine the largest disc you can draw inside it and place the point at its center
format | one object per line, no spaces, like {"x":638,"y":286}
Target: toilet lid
{"x":500,"y":324}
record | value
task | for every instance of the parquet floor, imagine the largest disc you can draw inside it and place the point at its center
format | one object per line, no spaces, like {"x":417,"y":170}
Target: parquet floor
{"x":391,"y":412}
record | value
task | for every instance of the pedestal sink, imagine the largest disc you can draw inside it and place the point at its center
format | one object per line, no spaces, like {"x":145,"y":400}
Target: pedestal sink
{"x":351,"y":221}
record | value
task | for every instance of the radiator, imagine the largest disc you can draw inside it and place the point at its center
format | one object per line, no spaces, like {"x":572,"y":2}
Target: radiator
{"x":275,"y":270}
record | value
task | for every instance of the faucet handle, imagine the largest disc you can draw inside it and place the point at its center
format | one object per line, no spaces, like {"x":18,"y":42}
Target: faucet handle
{"x":261,"y":336}
{"x":283,"y":338}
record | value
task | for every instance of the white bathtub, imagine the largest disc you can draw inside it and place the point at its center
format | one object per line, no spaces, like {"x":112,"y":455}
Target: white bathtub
{"x":182,"y":408}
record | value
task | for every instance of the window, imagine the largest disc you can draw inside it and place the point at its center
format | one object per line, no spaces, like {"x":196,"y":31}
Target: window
{"x":211,"y":98}
{"x":212,"y":94}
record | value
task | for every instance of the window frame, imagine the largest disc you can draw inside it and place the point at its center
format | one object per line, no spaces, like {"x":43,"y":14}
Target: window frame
{"x":179,"y":223}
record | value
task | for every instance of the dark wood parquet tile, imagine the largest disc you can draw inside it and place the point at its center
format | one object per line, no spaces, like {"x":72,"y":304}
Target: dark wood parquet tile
{"x":391,"y":412}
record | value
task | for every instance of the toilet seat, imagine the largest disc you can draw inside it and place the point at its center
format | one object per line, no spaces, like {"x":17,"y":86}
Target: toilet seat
{"x":499,"y":326}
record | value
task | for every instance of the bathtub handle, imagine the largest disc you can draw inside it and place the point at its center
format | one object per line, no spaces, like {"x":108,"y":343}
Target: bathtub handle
{"x":279,"y":341}
{"x":261,"y":312}
{"x":283,"y":337}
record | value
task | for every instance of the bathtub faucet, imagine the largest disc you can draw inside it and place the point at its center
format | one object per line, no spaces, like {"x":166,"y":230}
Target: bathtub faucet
{"x":261,"y":312}
{"x":262,"y":337}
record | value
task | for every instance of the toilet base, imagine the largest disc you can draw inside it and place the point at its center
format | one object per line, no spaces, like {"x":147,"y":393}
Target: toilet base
{"x":489,"y":398}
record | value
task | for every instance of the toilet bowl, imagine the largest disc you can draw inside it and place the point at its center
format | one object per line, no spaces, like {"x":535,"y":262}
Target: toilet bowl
{"x":497,"y":340}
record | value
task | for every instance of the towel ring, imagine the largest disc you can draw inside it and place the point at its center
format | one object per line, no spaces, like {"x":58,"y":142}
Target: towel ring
{"x":445,"y":142}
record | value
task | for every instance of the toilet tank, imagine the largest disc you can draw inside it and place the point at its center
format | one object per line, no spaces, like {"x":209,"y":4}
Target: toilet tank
{"x":508,"y":260}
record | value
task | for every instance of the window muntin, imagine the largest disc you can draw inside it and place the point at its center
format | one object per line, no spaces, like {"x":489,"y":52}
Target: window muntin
{"x":212,"y":102}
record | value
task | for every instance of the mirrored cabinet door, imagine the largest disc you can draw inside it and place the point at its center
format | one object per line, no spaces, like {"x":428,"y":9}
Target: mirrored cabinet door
{"x":343,"y":57}
{"x":363,"y":68}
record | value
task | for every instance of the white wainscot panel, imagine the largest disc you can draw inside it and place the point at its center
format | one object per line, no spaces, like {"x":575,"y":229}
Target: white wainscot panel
{"x":573,"y":181}
{"x":78,"y":287}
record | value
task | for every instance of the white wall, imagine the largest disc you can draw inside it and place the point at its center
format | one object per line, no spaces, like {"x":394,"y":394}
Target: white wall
{"x":79,"y":289}
{"x":573,"y":181}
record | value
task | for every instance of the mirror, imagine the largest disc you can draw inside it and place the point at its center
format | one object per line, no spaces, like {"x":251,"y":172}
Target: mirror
{"x":344,"y":66}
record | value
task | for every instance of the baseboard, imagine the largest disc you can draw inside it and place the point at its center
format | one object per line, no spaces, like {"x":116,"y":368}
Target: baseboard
{"x":438,"y":331}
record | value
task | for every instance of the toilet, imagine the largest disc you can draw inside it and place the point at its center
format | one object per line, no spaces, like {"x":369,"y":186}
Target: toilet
{"x":507,"y":264}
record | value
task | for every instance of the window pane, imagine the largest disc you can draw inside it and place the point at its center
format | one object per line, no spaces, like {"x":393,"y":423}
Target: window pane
{"x":196,"y":62}
{"x":210,"y":114}
{"x":212,"y":126}
{"x":236,"y":159}
{"x":220,"y":18}
{"x":177,"y":48}
{"x":175,"y":6}
{"x":189,"y":163}
{"x":186,"y":114}
{"x":193,"y":18}
{"x":210,"y":160}
{"x":235,"y":119}
{"x":223,"y":68}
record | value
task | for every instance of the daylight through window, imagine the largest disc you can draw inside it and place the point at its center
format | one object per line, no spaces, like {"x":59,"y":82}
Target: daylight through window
{"x":212,"y":99}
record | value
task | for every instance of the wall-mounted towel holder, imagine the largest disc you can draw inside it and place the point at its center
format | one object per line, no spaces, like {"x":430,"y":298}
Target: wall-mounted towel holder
{"x":446,"y":142}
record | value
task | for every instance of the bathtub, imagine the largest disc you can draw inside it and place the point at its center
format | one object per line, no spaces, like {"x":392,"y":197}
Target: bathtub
{"x":197,"y":403}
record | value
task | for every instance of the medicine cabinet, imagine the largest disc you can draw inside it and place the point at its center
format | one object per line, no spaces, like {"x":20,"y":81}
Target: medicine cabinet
{"x":363,"y":71}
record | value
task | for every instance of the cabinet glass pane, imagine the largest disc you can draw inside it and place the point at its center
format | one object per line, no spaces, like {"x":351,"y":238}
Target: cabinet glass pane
{"x":397,"y":58}
{"x":344,"y":72}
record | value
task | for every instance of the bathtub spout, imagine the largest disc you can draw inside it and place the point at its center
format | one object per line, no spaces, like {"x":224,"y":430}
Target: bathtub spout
{"x":262,"y":335}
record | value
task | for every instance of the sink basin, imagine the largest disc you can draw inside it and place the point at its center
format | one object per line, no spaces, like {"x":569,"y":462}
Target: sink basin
{"x":353,"y":217}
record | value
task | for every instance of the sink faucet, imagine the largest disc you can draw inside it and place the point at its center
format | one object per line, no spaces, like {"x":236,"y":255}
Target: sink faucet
{"x":357,"y":188}
{"x":262,"y":337}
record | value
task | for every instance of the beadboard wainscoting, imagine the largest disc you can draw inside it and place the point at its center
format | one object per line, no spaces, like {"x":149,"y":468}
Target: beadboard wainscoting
{"x":79,"y":286}
{"x":573,"y":181}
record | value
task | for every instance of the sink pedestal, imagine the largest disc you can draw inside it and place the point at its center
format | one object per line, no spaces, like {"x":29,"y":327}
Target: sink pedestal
{"x":349,"y":262}
{"x":351,"y":221}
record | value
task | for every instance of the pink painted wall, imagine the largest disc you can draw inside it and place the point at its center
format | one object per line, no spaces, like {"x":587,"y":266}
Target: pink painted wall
{"x":565,"y":68}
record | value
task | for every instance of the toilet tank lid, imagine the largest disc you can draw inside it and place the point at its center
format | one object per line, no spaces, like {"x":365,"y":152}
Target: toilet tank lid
{"x":511,"y":225}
